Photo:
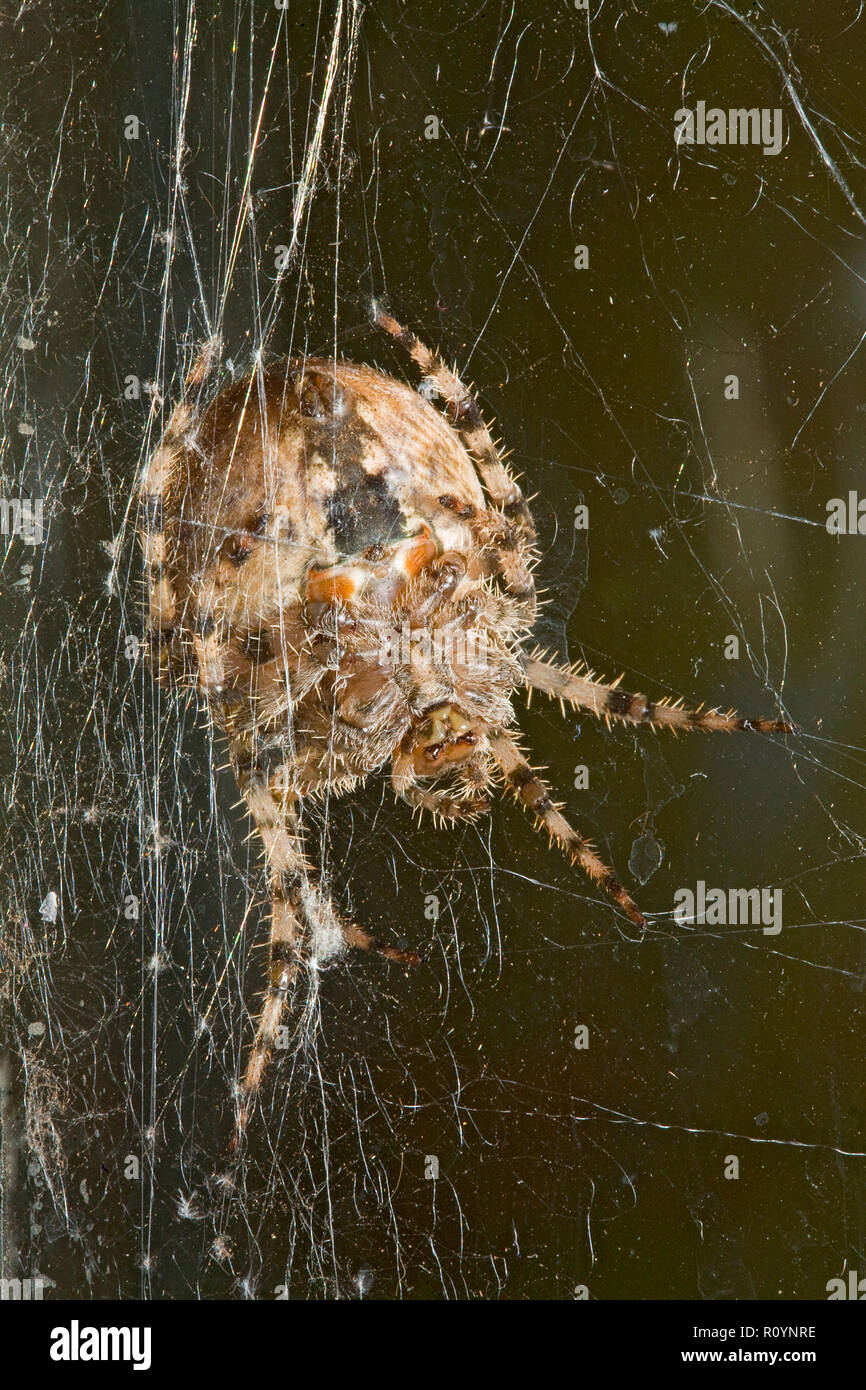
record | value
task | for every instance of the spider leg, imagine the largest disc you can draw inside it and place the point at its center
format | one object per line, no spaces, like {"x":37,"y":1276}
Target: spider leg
{"x":463,"y":410}
{"x":508,"y":531}
{"x":286,"y":866}
{"x":532,"y":791}
{"x":507,"y":544}
{"x":299,"y":911}
{"x":442,"y":805}
{"x":608,"y":702}
{"x":442,"y":802}
{"x":155,"y":492}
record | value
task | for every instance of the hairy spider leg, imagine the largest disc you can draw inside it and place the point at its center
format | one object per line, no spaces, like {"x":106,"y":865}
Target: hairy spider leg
{"x":529,"y":788}
{"x":608,"y":702}
{"x":286,"y":866}
{"x":299,"y":910}
{"x":444,"y":803}
{"x":514,"y":556}
{"x":156,"y":486}
{"x":155,"y":493}
{"x":514,"y":531}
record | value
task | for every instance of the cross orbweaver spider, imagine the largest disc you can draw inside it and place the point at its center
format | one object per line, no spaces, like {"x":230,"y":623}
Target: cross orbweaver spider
{"x":345,"y":574}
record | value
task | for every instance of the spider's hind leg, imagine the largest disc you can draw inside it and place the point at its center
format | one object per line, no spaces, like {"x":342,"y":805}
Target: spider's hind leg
{"x":286,"y":866}
{"x":301,"y":918}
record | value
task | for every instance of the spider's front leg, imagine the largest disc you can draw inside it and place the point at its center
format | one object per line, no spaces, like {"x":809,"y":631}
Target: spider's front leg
{"x":442,"y":802}
{"x":529,"y":788}
{"x":609,"y":702}
{"x":300,"y":913}
{"x":506,"y":532}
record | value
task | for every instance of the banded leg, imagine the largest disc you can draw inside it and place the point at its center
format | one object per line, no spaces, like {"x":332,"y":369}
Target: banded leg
{"x":532,"y":791}
{"x":514,"y":557}
{"x":463,"y":410}
{"x":287,"y":867}
{"x":607,"y":701}
{"x":156,"y":485}
{"x":299,"y":914}
{"x":155,"y":490}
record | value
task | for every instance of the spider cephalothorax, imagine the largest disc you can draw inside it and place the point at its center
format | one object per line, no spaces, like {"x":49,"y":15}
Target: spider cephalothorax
{"x":345,"y":574}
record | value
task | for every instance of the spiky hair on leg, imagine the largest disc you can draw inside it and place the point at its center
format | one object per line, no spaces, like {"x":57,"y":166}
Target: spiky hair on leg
{"x":529,"y":788}
{"x":579,"y":687}
{"x":463,"y":410}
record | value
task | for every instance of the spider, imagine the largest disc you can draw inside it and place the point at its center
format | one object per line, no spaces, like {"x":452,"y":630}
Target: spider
{"x":345,"y":574}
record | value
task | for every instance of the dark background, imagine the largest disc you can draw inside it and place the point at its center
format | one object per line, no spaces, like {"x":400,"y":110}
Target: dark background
{"x":558,"y":1168}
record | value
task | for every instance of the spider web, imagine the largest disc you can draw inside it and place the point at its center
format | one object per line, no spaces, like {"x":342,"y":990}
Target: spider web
{"x":438,"y":1134}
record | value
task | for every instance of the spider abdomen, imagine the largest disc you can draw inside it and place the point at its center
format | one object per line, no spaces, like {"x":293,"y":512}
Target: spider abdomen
{"x":328,"y":458}
{"x":308,"y":489}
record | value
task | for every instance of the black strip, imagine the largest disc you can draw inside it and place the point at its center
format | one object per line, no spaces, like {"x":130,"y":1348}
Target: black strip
{"x":521,"y":776}
{"x":256,"y":647}
{"x":466,"y":411}
{"x":282,"y":953}
{"x":453,"y":504}
{"x":238,"y":553}
{"x":285,"y":888}
{"x":517,"y":508}
{"x":618,"y":703}
{"x":612,"y":885}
